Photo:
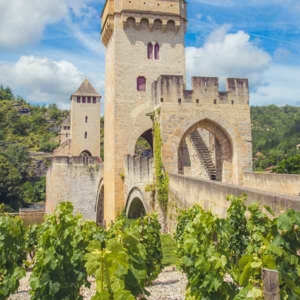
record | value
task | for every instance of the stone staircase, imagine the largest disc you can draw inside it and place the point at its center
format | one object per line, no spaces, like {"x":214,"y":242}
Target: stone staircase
{"x":203,"y":154}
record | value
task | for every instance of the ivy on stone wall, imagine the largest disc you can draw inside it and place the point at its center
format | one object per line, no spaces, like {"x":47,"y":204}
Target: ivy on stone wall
{"x":161,"y":177}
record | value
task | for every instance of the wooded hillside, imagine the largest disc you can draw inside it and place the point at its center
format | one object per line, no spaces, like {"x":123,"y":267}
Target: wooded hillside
{"x":27,"y":133}
{"x":276,"y":134}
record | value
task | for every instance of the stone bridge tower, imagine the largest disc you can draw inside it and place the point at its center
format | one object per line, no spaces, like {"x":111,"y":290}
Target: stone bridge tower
{"x":143,"y":40}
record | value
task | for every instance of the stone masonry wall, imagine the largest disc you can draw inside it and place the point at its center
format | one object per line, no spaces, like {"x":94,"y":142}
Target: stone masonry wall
{"x":77,"y":183}
{"x":186,"y":191}
{"x":279,"y":183}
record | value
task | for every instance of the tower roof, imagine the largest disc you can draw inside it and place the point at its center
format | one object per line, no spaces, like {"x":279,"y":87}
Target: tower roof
{"x":86,"y":89}
{"x":66,"y":121}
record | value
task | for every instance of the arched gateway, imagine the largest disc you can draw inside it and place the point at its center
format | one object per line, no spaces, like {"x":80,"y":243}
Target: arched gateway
{"x":203,"y":149}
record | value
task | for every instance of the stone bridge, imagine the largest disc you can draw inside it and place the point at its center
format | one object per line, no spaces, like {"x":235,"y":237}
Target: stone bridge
{"x":186,"y":191}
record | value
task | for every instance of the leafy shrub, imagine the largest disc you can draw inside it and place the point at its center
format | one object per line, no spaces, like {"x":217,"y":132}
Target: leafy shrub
{"x":12,"y":254}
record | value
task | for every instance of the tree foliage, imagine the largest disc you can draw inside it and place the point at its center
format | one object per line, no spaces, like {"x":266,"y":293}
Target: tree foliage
{"x":276,"y":133}
{"x":20,"y":134}
{"x":289,"y":165}
{"x":10,"y":180}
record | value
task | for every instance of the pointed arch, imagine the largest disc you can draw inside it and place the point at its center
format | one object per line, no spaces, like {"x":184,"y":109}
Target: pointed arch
{"x":150,"y":51}
{"x":135,"y":206}
{"x":156,"y":51}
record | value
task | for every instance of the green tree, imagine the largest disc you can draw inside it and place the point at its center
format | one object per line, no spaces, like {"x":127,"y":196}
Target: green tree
{"x":10,"y":180}
{"x":290,"y":165}
{"x":53,"y":111}
{"x":34,"y":191}
{"x":6,"y":93}
{"x":19,"y":157}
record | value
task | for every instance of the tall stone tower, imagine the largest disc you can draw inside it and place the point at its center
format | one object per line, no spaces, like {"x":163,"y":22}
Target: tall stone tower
{"x":143,"y":39}
{"x":85,"y":121}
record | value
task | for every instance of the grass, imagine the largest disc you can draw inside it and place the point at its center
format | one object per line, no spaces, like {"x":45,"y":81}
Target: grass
{"x":169,"y":250}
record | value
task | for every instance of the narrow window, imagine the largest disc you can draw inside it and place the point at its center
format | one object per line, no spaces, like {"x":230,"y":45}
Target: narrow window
{"x":78,"y":99}
{"x":197,"y":101}
{"x":89,"y":99}
{"x":83,"y":100}
{"x":150,"y":51}
{"x":215,"y":101}
{"x":86,"y":119}
{"x":141,"y":84}
{"x":161,"y":99}
{"x":232,"y":102}
{"x":67,"y":135}
{"x":94,"y":100}
{"x":179,"y":100}
{"x":156,"y":51}
{"x":85,"y":135}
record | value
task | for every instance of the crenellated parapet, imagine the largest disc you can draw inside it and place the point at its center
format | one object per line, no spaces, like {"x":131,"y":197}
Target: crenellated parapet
{"x":76,"y":160}
{"x":162,"y":15}
{"x":205,"y":90}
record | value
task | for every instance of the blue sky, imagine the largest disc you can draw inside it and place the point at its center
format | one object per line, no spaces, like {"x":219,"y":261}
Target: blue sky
{"x":47,"y":47}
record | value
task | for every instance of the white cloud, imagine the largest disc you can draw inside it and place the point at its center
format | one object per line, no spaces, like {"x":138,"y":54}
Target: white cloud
{"x":228,"y":55}
{"x":43,"y":80}
{"x":223,"y":55}
{"x":23,"y":22}
{"x":281,"y":88}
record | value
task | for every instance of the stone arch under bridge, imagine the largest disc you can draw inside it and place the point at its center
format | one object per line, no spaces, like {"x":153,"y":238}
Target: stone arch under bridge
{"x":136,"y":205}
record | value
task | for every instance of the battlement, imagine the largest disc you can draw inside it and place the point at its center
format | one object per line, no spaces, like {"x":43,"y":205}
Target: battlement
{"x":205,"y":90}
{"x":167,"y":15}
{"x":139,"y":168}
{"x":76,"y":160}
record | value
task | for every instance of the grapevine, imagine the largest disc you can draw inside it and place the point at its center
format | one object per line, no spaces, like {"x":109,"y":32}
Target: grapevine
{"x":12,"y":254}
{"x":128,"y":261}
{"x":59,"y":270}
{"x":223,"y":258}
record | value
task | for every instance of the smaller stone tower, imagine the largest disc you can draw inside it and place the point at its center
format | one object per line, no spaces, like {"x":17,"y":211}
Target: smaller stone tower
{"x":69,"y":177}
{"x":85,"y":121}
